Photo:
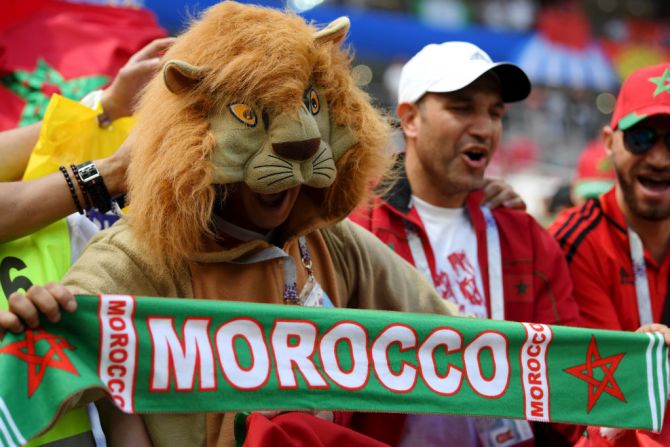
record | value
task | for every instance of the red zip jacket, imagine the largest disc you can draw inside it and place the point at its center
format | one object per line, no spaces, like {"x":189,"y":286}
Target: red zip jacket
{"x":536,"y":281}
{"x":594,"y":239}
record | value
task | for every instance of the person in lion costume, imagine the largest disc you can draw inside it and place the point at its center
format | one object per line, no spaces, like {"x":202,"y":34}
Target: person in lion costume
{"x":250,"y":151}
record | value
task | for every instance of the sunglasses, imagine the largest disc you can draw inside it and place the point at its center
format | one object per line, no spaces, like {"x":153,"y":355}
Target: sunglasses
{"x":640,"y":139}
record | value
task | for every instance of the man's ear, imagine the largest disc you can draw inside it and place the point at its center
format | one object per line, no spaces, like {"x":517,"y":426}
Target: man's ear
{"x":408,"y":114}
{"x":335,"y":31}
{"x":180,"y":76}
{"x":607,"y":137}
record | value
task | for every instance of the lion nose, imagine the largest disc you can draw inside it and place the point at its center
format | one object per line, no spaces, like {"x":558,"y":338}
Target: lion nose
{"x":297,"y":150}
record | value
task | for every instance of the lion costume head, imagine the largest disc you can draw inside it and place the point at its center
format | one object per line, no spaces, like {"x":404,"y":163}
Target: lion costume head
{"x":250,"y":94}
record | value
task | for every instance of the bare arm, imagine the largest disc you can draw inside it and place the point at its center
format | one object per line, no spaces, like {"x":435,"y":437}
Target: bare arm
{"x":119,"y":98}
{"x":25,"y":207}
{"x":15,"y":148}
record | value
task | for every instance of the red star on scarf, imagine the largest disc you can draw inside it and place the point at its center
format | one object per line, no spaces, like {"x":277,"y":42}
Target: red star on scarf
{"x":606,"y":384}
{"x":55,"y":357}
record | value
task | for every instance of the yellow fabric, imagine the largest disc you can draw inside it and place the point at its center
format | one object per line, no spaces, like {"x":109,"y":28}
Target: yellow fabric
{"x":38,"y":258}
{"x":72,"y":423}
{"x":70,"y":134}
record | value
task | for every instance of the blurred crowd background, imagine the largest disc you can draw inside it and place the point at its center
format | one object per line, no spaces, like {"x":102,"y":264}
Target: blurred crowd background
{"x":575,"y":53}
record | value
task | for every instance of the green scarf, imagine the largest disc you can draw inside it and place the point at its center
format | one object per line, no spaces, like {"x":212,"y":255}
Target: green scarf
{"x":175,"y":355}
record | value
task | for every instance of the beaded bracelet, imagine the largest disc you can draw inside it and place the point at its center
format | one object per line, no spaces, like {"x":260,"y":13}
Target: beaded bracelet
{"x":73,"y":193}
{"x":84,"y":193}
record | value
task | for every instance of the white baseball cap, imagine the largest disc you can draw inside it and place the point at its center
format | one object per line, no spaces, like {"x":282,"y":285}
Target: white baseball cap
{"x":451,"y":66}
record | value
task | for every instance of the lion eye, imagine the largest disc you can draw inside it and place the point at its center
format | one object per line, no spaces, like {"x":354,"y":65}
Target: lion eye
{"x":244,"y":113}
{"x":312,"y":101}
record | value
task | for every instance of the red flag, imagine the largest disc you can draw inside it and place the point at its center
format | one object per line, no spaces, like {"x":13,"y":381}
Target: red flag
{"x":53,"y":46}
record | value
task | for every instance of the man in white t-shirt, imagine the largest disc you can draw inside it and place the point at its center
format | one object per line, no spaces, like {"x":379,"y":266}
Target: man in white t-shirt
{"x":493,"y":263}
{"x":454,"y":243}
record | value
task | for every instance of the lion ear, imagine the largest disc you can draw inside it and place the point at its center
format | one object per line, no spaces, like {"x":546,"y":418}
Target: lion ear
{"x":180,"y":76}
{"x":334,"y":32}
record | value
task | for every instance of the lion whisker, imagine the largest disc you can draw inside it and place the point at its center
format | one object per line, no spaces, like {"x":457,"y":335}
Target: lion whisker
{"x":322,"y":161}
{"x":321,"y":168}
{"x":279,"y":180}
{"x":320,"y":154}
{"x":273,"y":166}
{"x":272,"y":175}
{"x":321,"y":173}
{"x":280,"y":159}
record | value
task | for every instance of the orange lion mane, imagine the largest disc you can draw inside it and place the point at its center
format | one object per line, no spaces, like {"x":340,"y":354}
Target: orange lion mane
{"x":255,"y":55}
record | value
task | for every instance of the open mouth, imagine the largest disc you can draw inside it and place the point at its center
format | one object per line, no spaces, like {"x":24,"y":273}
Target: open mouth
{"x":654,"y":184}
{"x":475,"y":155}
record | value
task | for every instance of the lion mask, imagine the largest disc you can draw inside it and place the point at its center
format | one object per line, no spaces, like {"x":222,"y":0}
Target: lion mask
{"x":254,"y":95}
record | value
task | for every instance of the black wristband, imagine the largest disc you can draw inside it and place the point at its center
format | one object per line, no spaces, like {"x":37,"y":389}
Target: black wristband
{"x":73,"y":193}
{"x":94,"y":186}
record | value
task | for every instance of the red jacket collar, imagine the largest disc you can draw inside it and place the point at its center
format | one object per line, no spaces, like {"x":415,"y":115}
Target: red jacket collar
{"x":399,"y":199}
{"x":612,"y":210}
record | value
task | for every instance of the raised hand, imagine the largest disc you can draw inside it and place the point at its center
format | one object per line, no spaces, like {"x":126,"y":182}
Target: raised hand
{"x":119,"y":98}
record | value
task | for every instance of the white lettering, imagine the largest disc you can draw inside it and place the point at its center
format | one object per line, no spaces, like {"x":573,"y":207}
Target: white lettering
{"x":404,"y":380}
{"x":251,"y":332}
{"x":496,"y":385}
{"x":300,"y":354}
{"x":534,"y":372}
{"x":450,"y":382}
{"x":170,"y":354}
{"x":118,"y":348}
{"x":355,"y":336}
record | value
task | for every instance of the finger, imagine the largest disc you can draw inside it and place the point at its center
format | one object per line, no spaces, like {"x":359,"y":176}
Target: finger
{"x":9,"y":322}
{"x":45,"y":302}
{"x":325,"y":414}
{"x":147,"y":67}
{"x":152,"y":49}
{"x":491,"y":189}
{"x":516,"y":203}
{"x":63,"y":295}
{"x":23,"y":308}
{"x":658,"y":328}
{"x":493,"y":202}
{"x":652,"y":327}
{"x":491,"y":181}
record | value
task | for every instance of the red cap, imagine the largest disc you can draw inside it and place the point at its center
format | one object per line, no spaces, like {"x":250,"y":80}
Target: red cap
{"x":644,"y":93}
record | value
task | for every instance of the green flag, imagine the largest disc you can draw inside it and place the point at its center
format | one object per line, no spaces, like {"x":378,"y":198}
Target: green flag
{"x":185,"y":355}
